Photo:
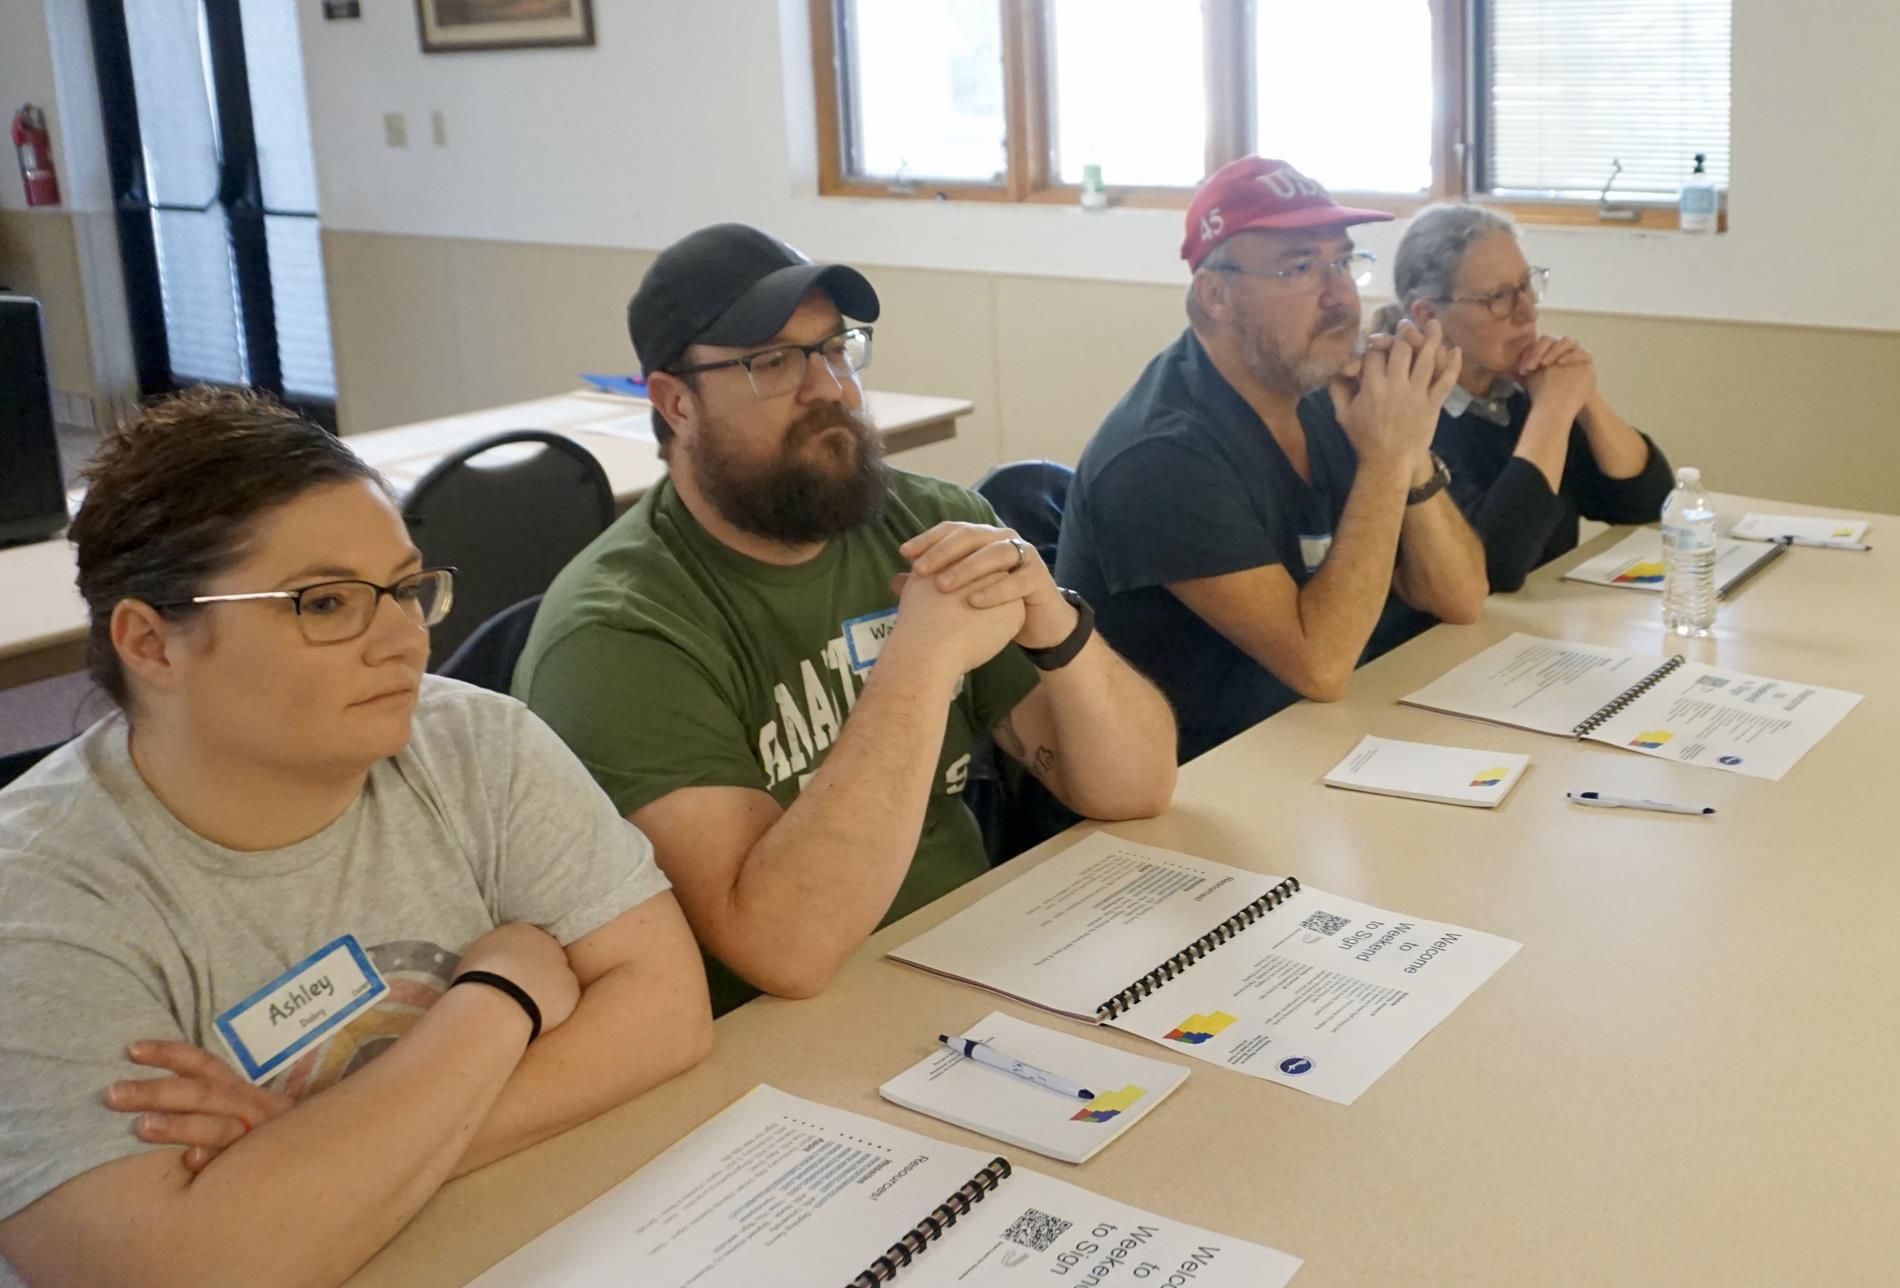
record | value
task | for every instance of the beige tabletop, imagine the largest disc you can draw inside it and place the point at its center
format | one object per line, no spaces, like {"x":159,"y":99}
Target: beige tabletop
{"x":43,"y":625}
{"x":1684,"y":1078}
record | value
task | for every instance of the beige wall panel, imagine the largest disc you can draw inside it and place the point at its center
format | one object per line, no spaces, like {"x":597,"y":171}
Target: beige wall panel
{"x":1795,"y":413}
{"x":528,"y":319}
{"x":392,"y":329}
{"x":40,"y":257}
{"x":936,"y":335}
{"x":1068,"y":350}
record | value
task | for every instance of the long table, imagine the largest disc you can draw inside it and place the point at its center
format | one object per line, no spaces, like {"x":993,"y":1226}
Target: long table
{"x":1685,"y":1077}
{"x":43,"y":626}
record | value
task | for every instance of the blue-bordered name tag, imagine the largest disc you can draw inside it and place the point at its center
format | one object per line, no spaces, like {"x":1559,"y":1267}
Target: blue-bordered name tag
{"x":864,"y":637}
{"x":295,"y":1010}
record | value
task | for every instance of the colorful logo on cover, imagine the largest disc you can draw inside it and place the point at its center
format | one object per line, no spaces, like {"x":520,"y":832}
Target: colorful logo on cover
{"x":1640,"y":574}
{"x":1651,"y":740}
{"x":1110,"y":1103}
{"x":1196,"y":1029}
{"x":1490,"y":777}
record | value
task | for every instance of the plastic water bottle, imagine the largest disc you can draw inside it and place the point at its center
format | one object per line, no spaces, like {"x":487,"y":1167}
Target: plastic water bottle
{"x":1688,"y":541}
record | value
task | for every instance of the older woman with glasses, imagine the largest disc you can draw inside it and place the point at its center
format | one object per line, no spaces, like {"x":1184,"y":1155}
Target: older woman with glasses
{"x":298,"y":933}
{"x":1531,"y":442}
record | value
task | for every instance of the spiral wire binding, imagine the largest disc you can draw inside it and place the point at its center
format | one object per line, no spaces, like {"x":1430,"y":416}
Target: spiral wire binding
{"x":941,"y":1218}
{"x":1615,"y":705}
{"x":1200,"y":948}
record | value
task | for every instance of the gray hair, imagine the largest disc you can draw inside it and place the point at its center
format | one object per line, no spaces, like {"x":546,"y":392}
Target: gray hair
{"x":1218,"y":258}
{"x":1434,"y":247}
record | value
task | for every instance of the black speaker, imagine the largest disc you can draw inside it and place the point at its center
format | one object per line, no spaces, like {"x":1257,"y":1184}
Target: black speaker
{"x":32,"y":496}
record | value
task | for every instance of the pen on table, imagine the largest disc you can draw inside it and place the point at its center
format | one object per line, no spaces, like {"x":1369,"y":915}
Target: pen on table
{"x":991,"y":1058}
{"x":1603,"y":800}
{"x":1822,"y":543}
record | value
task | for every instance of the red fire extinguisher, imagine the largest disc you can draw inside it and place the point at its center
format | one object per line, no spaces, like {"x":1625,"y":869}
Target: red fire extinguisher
{"x":35,"y":147}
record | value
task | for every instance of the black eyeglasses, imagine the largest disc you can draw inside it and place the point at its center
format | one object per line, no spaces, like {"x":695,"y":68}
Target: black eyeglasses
{"x":781,"y":369}
{"x":333,"y":612}
{"x":1503,"y":302}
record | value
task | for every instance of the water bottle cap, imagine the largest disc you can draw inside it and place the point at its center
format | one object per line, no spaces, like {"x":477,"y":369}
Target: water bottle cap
{"x":1688,"y":474}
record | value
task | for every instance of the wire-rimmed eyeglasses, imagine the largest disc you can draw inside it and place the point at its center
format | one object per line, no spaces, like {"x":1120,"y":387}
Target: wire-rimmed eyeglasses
{"x":333,"y":612}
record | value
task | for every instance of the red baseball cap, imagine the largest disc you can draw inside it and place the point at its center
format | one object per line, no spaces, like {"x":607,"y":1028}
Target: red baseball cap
{"x":1254,"y":192}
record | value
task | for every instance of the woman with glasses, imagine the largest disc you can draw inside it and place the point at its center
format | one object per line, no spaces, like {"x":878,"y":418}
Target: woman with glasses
{"x":298,"y":933}
{"x":1530,"y":440}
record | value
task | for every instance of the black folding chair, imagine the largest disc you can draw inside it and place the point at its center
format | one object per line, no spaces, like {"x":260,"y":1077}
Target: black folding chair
{"x":488,"y":657}
{"x":1017,"y":812}
{"x":508,"y":512}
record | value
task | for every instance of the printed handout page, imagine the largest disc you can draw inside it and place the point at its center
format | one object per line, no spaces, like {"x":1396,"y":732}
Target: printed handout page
{"x":1636,"y":562}
{"x":1746,"y":724}
{"x":1820,"y":528}
{"x":982,"y":1099}
{"x":1550,"y":686}
{"x":777,"y":1190}
{"x":1324,"y":993}
{"x":1071,"y":934}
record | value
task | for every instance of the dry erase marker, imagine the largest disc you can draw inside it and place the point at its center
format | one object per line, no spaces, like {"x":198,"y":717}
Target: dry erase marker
{"x":1823,"y":545}
{"x":989,"y":1057}
{"x":1603,"y":800}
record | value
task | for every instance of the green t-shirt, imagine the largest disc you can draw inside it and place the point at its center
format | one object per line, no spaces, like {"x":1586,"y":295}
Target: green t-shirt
{"x":665,"y":659}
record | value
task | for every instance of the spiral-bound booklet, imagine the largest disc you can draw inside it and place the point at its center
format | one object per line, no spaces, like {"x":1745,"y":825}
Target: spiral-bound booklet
{"x":1252,"y":972}
{"x":779,"y":1191}
{"x":1670,"y":708}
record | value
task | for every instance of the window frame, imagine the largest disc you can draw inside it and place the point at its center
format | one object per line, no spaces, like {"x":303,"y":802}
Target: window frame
{"x":1457,"y":74}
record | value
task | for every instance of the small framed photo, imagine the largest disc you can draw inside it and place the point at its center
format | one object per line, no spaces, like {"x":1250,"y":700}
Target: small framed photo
{"x":456,"y":26}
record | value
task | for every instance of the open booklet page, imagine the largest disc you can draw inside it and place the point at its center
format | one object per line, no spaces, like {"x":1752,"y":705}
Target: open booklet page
{"x":1073,"y":933}
{"x":1701,"y":715}
{"x":1773,"y":527}
{"x":780,"y":1191}
{"x":1324,"y":993}
{"x":1550,"y":686}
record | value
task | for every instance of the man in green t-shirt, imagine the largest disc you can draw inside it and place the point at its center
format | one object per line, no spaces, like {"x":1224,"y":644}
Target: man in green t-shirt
{"x":778,"y":662}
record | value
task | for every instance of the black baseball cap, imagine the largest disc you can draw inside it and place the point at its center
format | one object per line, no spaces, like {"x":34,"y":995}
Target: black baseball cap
{"x":731,"y":284}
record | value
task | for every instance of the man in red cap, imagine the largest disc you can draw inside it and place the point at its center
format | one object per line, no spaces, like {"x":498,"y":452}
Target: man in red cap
{"x":778,"y":663}
{"x":1265,"y":495}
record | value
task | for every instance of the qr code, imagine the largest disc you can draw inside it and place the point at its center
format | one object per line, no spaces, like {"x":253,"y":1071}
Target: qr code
{"x":1035,"y":1230}
{"x":1325,"y":923}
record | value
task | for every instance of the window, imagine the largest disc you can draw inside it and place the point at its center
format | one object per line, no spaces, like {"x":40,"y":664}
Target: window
{"x":208,"y":139}
{"x":1532,"y":104}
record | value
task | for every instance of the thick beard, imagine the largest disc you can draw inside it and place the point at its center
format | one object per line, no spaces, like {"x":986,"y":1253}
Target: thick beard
{"x":796,"y":498}
{"x":1293,"y":374}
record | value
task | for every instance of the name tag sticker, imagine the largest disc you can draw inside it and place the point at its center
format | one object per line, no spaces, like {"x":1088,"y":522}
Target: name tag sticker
{"x":864,"y":637}
{"x":318,"y":994}
{"x":1313,"y":550}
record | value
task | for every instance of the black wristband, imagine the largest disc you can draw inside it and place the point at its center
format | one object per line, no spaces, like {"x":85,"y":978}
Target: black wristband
{"x":509,"y":987}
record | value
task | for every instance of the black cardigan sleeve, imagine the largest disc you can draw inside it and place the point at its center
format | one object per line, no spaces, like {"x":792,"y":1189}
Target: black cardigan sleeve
{"x":1514,"y":519}
{"x":1637,"y":499}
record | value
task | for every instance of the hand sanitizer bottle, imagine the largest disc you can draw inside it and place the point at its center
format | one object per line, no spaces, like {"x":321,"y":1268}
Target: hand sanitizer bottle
{"x":1697,"y":206}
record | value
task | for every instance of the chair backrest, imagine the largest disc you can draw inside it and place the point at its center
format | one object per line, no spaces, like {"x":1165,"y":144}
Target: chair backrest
{"x":488,"y":656}
{"x":1029,"y":496}
{"x":16,"y":764}
{"x":508,"y":512}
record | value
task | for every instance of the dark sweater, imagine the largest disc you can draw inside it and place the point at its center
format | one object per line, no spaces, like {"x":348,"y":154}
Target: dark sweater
{"x":1522,"y":523}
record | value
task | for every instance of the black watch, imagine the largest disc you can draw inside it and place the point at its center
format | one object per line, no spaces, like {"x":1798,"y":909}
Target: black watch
{"x":1057,"y":656}
{"x":1431,"y":487}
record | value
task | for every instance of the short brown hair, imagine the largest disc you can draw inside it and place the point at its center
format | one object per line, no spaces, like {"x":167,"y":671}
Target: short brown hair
{"x":172,"y":496}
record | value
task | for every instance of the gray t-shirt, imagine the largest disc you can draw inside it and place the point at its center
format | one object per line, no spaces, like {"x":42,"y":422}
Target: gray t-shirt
{"x":119,"y":923}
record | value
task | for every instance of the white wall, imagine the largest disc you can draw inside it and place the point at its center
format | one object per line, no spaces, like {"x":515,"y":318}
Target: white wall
{"x":684,"y":114}
{"x":46,"y":60}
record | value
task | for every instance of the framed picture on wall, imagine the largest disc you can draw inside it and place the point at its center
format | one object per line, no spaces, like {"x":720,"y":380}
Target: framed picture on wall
{"x":455,"y":26}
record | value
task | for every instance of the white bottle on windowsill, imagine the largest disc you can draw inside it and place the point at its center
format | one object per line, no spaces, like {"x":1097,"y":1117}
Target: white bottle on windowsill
{"x":1094,"y":191}
{"x":1697,"y":206}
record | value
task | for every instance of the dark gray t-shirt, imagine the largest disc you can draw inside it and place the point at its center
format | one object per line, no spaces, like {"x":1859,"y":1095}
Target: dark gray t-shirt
{"x":1182,"y":481}
{"x":118,"y":923}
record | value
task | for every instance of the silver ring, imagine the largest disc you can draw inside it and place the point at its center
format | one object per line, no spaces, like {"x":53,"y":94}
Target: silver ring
{"x":1022,"y":553}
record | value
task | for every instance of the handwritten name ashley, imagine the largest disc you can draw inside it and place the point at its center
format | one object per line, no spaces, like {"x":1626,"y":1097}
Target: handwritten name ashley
{"x":301,"y":998}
